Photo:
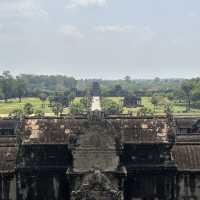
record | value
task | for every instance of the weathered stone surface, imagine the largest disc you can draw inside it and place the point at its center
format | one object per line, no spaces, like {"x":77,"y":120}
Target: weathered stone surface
{"x":142,"y":130}
{"x":187,"y":124}
{"x":8,"y":156}
{"x":132,"y":101}
{"x":86,"y":159}
{"x":102,"y":157}
{"x":96,"y":148}
{"x":188,"y":186}
{"x":96,"y":185}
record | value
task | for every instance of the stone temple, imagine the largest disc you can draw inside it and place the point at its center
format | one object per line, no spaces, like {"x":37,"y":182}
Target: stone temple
{"x":95,"y":156}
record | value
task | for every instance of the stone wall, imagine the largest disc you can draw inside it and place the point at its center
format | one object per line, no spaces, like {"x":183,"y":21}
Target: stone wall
{"x":42,"y":185}
{"x":150,"y":185}
{"x":188,"y":186}
{"x":7,"y":187}
{"x":101,"y":158}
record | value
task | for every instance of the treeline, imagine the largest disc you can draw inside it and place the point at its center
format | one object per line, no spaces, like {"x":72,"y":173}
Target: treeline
{"x":125,"y":86}
{"x":179,"y":90}
{"x":33,"y":85}
{"x":190,"y":91}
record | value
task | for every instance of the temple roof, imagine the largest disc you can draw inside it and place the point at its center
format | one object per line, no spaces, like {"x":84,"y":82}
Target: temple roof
{"x":142,"y":130}
{"x":130,"y":129}
{"x":52,"y":130}
{"x":188,"y":138}
{"x":49,"y":130}
{"x":186,"y":122}
{"x":187,"y":157}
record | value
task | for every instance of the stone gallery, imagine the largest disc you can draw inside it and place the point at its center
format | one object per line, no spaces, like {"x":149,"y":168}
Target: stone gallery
{"x":100,"y":157}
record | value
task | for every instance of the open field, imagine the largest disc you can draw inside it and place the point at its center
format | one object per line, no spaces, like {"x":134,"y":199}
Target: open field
{"x":146,"y":102}
{"x":6,"y":108}
{"x":77,"y":99}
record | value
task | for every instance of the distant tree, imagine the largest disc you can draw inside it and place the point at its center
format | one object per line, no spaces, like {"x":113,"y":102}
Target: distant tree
{"x":179,"y":95}
{"x":56,"y":97}
{"x":16,"y":113}
{"x":196,"y":96}
{"x":39,"y":113}
{"x":165,"y":102}
{"x":84,"y":101}
{"x":20,"y":88}
{"x":144,"y":112}
{"x":57,"y":109}
{"x":69,"y":82}
{"x":64,"y":98}
{"x":127,"y":79}
{"x":168,"y":109}
{"x":118,"y":88}
{"x":77,"y":107}
{"x":155,"y":101}
{"x":187,"y":89}
{"x":36,"y":92}
{"x":28,"y":109}
{"x":69,"y":96}
{"x":170,"y":96}
{"x":156,"y":80}
{"x":111,"y":107}
{"x":1,"y":93}
{"x":117,"y":91}
{"x":7,"y":85}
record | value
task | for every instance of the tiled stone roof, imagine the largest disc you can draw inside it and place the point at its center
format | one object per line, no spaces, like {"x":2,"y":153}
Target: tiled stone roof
{"x":187,"y":156}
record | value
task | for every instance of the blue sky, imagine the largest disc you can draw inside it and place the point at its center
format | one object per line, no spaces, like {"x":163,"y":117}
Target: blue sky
{"x":101,"y":38}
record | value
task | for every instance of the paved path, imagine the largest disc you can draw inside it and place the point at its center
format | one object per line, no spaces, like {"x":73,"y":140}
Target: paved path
{"x":96,"y":105}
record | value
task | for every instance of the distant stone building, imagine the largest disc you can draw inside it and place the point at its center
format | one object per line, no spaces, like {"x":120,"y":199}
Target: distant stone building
{"x":187,"y":125}
{"x":132,"y":101}
{"x":96,"y":90}
{"x":99,"y":157}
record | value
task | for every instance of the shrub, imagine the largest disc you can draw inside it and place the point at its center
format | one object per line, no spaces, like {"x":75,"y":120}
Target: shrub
{"x":28,"y":109}
{"x":16,"y":113}
{"x":78,"y":107}
{"x":144,"y":112}
{"x":111,"y":107}
{"x":39,"y":113}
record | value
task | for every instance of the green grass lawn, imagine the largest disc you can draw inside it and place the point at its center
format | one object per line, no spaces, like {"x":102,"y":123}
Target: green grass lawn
{"x":115,"y":99}
{"x":77,"y":99}
{"x":178,"y":109}
{"x":6,"y":108}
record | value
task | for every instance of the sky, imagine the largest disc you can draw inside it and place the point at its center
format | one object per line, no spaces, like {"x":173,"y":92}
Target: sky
{"x":106,"y":39}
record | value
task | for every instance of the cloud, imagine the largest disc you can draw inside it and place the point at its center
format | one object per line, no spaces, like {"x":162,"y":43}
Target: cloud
{"x":114,"y":28}
{"x":70,"y":30}
{"x":192,"y":14}
{"x":21,"y":8}
{"x":86,"y":3}
{"x":177,"y":41}
{"x":143,"y":33}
